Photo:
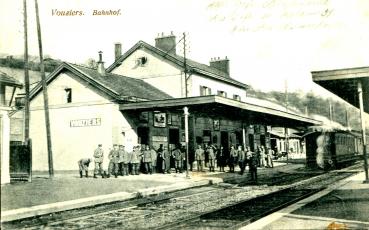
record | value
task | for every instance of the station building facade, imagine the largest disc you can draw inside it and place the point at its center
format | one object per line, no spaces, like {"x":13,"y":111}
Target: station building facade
{"x":139,"y":99}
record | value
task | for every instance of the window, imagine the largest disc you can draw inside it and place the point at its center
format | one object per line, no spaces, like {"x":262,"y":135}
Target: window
{"x":222,"y":93}
{"x":204,"y":91}
{"x":236,"y":97}
{"x":68,"y":95}
{"x":141,"y":61}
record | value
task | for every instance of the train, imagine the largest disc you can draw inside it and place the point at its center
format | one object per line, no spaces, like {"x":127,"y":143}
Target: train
{"x":332,"y":149}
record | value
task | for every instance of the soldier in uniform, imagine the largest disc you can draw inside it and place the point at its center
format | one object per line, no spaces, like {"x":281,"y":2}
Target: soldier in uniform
{"x":241,"y":159}
{"x":113,"y":161}
{"x":147,"y":160}
{"x":178,"y":157}
{"x":124,"y":158}
{"x":83,"y":166}
{"x":211,"y":156}
{"x":221,"y":158}
{"x":135,"y":159}
{"x":166,"y":159}
{"x":270,"y":154}
{"x":98,"y":156}
{"x":199,"y":156}
{"x":232,"y":159}
{"x":253,"y":167}
{"x":154,"y":158}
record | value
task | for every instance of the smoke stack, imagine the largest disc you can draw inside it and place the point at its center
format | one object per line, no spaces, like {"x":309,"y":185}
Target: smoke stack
{"x":220,"y":64}
{"x":166,"y":43}
{"x":118,"y":50}
{"x":100,"y":64}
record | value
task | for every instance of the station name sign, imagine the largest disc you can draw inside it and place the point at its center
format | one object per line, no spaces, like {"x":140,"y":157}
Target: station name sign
{"x":85,"y":122}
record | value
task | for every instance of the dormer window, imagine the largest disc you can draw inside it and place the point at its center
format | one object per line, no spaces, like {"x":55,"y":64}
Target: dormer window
{"x":236,"y":97}
{"x":68,"y":95}
{"x":141,"y":61}
{"x":222,"y":93}
{"x":204,"y":91}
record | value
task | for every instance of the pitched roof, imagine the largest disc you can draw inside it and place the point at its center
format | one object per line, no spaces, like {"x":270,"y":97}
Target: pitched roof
{"x":116,"y":86}
{"x":192,"y":66}
{"x":9,"y":81}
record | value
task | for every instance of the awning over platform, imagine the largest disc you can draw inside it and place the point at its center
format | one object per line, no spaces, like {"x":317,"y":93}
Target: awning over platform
{"x":232,"y":109}
{"x":344,"y":83}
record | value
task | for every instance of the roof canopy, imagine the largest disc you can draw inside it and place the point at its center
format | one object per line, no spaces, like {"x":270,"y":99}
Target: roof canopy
{"x":9,"y":81}
{"x":216,"y":105}
{"x":344,"y":83}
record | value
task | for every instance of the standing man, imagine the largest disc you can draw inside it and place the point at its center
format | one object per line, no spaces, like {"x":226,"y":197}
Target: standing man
{"x":232,"y":159}
{"x":270,"y":154}
{"x":83,"y":166}
{"x":248,"y":154}
{"x":160,"y":160}
{"x":99,"y":157}
{"x":199,"y":156}
{"x":113,"y":161}
{"x":166,"y":159}
{"x":221,"y":158}
{"x":154,"y":158}
{"x":147,"y":160}
{"x":262,"y":157}
{"x":254,"y":167}
{"x":178,"y":159}
{"x":211,"y":154}
{"x":124,"y":158}
{"x":135,"y":159}
{"x":241,"y":159}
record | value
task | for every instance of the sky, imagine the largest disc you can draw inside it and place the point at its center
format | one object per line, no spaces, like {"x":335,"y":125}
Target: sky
{"x":268,"y":42}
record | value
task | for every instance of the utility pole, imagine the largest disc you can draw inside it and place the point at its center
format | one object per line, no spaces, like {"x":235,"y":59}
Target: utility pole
{"x":26,"y":76}
{"x":27,"y":140}
{"x":185,"y":109}
{"x":285,"y":128}
{"x":46,"y":98}
{"x":185,"y":63}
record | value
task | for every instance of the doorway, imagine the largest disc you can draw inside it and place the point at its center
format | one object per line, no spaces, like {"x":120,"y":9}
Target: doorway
{"x":143,"y":135}
{"x":251,"y":142}
{"x":173,"y":136}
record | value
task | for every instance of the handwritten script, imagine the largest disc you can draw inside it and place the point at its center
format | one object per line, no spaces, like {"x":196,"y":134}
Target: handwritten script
{"x":261,"y":15}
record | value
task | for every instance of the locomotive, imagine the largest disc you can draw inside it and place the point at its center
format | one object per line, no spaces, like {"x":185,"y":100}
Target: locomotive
{"x":332,"y":149}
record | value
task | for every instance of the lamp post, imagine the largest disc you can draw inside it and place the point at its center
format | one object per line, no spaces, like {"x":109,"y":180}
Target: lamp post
{"x":186,"y":113}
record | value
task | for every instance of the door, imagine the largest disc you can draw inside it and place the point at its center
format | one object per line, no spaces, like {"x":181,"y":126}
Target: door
{"x":143,"y":135}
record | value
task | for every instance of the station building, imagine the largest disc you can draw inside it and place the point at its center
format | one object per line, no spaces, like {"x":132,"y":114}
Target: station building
{"x":140,"y":98}
{"x":7,"y":84}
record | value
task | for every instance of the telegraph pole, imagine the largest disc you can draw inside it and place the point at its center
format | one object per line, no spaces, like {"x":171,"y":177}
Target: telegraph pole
{"x":185,"y":109}
{"x":285,"y":128}
{"x":184,"y":63}
{"x":46,"y":98}
{"x":26,"y":76}
{"x":27,"y":139}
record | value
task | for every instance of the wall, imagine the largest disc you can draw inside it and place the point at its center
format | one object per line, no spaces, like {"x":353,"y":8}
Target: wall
{"x":156,"y":72}
{"x":4,"y":144}
{"x":197,"y":81}
{"x":76,"y":128}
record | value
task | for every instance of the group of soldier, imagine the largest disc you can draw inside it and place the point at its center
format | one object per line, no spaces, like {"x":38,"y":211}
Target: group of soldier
{"x":147,"y":160}
{"x":141,"y":159}
{"x":241,"y":156}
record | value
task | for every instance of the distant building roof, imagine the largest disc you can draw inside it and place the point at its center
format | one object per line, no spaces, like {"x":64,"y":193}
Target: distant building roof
{"x":282,"y":135}
{"x":192,"y":66}
{"x":119,"y":87}
{"x":9,"y":81}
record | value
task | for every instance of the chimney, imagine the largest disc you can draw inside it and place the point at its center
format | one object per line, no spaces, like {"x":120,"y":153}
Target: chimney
{"x":166,"y":43}
{"x":100,"y":64}
{"x":118,"y":50}
{"x":220,"y":64}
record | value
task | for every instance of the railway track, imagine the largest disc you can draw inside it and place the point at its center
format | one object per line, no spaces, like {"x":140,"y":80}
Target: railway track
{"x":202,"y":206}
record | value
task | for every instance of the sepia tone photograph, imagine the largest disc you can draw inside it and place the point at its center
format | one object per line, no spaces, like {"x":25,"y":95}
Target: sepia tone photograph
{"x":184,"y":114}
